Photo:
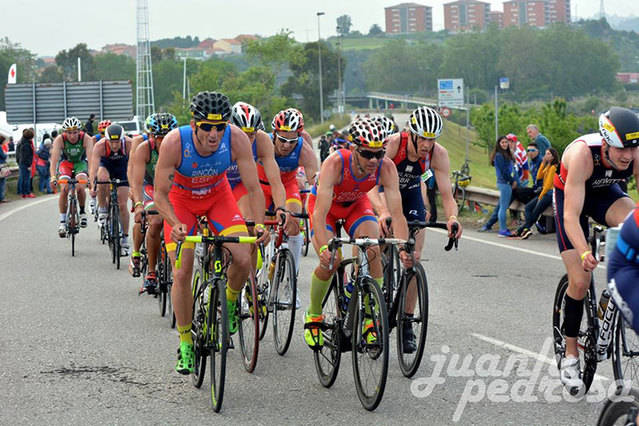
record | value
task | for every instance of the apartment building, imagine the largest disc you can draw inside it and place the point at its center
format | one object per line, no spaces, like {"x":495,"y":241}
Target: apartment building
{"x":408,"y":18}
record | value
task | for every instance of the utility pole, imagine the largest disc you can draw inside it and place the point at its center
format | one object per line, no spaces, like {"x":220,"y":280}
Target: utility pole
{"x":319,"y":50}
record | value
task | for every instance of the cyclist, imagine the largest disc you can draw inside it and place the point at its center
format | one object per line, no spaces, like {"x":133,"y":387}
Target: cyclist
{"x":143,"y":162}
{"x":340,"y":193}
{"x":303,"y":133}
{"x":414,"y":152}
{"x":71,"y":148}
{"x":109,"y":160}
{"x":190,"y":180}
{"x":291,"y":152}
{"x":95,"y":138}
{"x":587,"y":185}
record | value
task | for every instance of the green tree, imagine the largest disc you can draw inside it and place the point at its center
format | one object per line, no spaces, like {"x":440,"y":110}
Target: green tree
{"x":13,"y":53}
{"x":275,"y":52}
{"x":344,"y":25}
{"x":375,"y":30}
{"x":109,"y":66}
{"x":51,"y":74}
{"x":67,"y":60}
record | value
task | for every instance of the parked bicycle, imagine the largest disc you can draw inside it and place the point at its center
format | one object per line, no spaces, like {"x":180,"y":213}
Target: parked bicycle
{"x":462,"y":179}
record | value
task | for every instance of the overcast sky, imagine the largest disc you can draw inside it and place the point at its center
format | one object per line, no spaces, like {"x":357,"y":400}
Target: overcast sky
{"x":46,"y":27}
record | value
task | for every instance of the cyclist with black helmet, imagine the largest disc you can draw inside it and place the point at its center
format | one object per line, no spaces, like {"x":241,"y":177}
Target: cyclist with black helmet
{"x":142,"y":171}
{"x":587,"y":185}
{"x":109,"y":160}
{"x":190,"y":181}
{"x":99,"y":135}
{"x":70,"y":149}
{"x":340,"y":193}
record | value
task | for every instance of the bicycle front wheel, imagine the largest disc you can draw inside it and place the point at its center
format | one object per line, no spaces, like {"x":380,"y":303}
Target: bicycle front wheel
{"x":198,"y":328}
{"x":625,"y":355}
{"x":615,"y":412}
{"x":218,"y":343}
{"x":328,"y":357}
{"x":249,"y":329}
{"x":412,"y":316}
{"x":284,"y":300}
{"x":370,"y":344}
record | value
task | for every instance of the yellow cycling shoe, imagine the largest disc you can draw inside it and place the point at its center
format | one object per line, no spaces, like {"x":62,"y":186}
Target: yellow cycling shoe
{"x":312,"y":333}
{"x":368,"y":331}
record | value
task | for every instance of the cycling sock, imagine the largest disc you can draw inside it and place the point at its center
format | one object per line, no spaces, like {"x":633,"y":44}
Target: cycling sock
{"x":295,"y":244}
{"x":136,"y":254}
{"x":318,"y":291}
{"x":573,"y":312}
{"x":367,"y":306}
{"x":185,"y":334}
{"x":63,"y":217}
{"x":231,"y":295}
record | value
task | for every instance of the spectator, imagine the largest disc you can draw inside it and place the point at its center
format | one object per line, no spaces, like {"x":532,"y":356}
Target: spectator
{"x":12,"y":145}
{"x":42,"y":165}
{"x":542,"y":142}
{"x":88,"y":126}
{"x":54,"y":134}
{"x":324,"y":146}
{"x":24,"y":156}
{"x":4,"y":148}
{"x":536,"y":207}
{"x":502,"y":159}
{"x":534,"y":161}
{"x":522,"y":170}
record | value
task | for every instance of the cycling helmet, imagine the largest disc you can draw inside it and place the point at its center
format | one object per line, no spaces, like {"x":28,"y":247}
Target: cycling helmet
{"x":425,"y":122}
{"x":246,"y":117}
{"x":288,"y":120}
{"x":70,"y":124}
{"x":331,"y":127}
{"x":159,"y":124}
{"x":619,"y":127}
{"x":103,"y":125}
{"x":386,"y":124}
{"x":147,"y":123}
{"x":114,"y":132}
{"x":212,"y":106}
{"x":366,"y":133}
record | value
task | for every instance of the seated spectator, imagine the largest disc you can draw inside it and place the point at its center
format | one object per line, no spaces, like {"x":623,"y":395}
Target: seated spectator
{"x":42,"y":165}
{"x":502,"y":159}
{"x":536,"y":207}
{"x":534,"y":162}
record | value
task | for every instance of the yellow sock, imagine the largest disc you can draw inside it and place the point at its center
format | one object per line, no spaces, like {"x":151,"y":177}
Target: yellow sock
{"x":231,"y":295}
{"x":185,"y":333}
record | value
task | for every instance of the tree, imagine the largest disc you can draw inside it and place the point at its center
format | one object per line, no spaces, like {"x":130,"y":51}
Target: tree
{"x":375,"y":30}
{"x":344,"y":25}
{"x":51,"y":74}
{"x":275,"y":51}
{"x":67,"y":60}
{"x":109,"y":66}
{"x":12,"y":53}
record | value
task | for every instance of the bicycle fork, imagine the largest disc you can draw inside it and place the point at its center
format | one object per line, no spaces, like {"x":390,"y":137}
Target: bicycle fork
{"x":604,"y":336}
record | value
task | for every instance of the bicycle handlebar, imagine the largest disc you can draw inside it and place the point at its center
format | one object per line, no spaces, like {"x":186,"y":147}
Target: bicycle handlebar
{"x":209,"y":240}
{"x":364,"y":242}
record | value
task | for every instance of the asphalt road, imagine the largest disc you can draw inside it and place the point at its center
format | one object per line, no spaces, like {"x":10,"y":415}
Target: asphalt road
{"x":80,"y":346}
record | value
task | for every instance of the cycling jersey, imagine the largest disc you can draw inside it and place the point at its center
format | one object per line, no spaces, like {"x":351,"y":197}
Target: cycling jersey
{"x":200,"y":188}
{"x":409,"y":172}
{"x":73,"y":152}
{"x":116,"y":162}
{"x":349,"y":197}
{"x":602,"y":190}
{"x":288,"y":164}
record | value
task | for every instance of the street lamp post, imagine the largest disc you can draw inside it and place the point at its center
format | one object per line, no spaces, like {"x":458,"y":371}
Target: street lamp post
{"x":319,"y":50}
{"x":339,"y":73}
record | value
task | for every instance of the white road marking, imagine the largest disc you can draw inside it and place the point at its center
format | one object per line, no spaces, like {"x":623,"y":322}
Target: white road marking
{"x":33,"y":203}
{"x":531,"y":354}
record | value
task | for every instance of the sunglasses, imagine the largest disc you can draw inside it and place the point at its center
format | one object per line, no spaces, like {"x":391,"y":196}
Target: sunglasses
{"x":287,"y":140}
{"x":369,"y":155}
{"x":207,"y":127}
{"x":532,"y":150}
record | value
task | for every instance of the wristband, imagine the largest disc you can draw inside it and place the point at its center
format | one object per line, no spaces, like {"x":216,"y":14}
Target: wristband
{"x":452,"y":218}
{"x":324,"y":247}
{"x":139,"y":203}
{"x":584,"y":254}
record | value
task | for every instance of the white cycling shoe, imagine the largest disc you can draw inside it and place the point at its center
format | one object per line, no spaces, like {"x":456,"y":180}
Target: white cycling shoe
{"x":570,"y":375}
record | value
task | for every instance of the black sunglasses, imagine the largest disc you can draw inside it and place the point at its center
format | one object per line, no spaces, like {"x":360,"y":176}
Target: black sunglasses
{"x":207,"y":127}
{"x":369,"y":155}
{"x":287,"y":140}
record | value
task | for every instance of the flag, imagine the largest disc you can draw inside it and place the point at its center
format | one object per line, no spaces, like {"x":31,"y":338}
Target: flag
{"x":11,"y":78}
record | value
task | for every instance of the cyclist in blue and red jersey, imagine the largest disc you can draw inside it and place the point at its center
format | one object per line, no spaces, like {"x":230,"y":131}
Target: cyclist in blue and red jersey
{"x":587,"y":185}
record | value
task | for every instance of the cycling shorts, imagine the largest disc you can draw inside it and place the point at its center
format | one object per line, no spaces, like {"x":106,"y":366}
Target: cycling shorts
{"x":596,"y":204}
{"x":147,"y":194}
{"x":292,"y":193}
{"x":239,"y":190}
{"x":354,"y":214}
{"x":219,"y":207}
{"x":66,"y":168}
{"x":116,"y":171}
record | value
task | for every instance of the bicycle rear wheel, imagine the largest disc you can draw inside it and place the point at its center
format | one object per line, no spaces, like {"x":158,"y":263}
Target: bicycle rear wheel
{"x":370,"y":345}
{"x":249,"y":329}
{"x":218,"y":343}
{"x":625,"y":355}
{"x":162,"y":281}
{"x":198,"y":328}
{"x":328,"y":357}
{"x":615,"y":411}
{"x":409,"y":360}
{"x":586,"y":341}
{"x":284,"y":300}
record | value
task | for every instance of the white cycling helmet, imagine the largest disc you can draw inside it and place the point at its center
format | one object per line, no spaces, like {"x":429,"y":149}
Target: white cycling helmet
{"x":70,"y":124}
{"x":619,"y":127}
{"x":246,"y":117}
{"x":425,"y":122}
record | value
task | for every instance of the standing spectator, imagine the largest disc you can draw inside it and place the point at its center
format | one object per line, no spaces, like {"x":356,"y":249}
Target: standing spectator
{"x":536,"y":207}
{"x":42,"y":165}
{"x":88,"y":126}
{"x":501,"y":158}
{"x":4,"y":148}
{"x":324,"y":146}
{"x":24,"y":156}
{"x":11,"y":145}
{"x":542,"y":142}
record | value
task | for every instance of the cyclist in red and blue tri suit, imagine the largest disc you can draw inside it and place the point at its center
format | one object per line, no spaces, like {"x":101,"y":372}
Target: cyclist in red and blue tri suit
{"x":340,"y":193}
{"x":190,"y":181}
{"x":588,"y":186}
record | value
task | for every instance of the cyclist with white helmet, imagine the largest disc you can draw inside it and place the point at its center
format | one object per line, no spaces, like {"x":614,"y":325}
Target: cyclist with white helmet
{"x":587,"y":185}
{"x":340,"y":193}
{"x":142,"y":172}
{"x":415,"y":153}
{"x":70,"y":149}
{"x":109,"y":160}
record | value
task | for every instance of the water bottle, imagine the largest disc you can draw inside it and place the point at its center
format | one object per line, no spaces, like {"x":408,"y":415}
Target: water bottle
{"x":348,"y":291}
{"x":603,"y":303}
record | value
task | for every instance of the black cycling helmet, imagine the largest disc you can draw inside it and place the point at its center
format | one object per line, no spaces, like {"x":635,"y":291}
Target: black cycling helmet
{"x":211,"y":106}
{"x":114,"y":132}
{"x":619,"y":127}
